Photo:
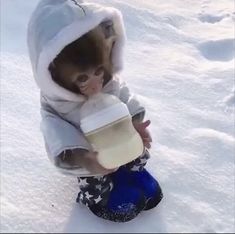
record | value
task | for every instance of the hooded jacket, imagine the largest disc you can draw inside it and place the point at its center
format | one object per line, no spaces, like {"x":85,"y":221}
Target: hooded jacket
{"x":53,"y":25}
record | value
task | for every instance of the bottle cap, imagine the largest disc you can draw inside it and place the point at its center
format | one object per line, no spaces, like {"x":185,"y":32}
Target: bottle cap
{"x":104,"y":117}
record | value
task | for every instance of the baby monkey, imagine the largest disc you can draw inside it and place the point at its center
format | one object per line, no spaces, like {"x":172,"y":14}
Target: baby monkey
{"x":85,"y":66}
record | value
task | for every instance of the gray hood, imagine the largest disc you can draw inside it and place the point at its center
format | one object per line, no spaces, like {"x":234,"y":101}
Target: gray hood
{"x":55,"y":24}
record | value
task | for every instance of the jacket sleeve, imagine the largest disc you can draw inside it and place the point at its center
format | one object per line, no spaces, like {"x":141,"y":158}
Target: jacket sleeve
{"x":60,"y":135}
{"x":135,"y":108}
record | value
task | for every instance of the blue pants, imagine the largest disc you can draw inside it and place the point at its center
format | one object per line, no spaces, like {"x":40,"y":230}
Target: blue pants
{"x":96,"y":189}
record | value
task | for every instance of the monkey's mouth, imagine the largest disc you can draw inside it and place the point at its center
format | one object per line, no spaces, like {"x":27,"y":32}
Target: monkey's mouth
{"x":83,"y":89}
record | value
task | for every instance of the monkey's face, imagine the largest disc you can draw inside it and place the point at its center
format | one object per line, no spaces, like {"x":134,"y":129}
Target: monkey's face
{"x":87,"y":82}
{"x":85,"y":65}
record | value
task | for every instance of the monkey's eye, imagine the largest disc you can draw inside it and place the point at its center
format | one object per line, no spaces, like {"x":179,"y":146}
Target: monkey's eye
{"x":99,"y":71}
{"x":82,"y":78}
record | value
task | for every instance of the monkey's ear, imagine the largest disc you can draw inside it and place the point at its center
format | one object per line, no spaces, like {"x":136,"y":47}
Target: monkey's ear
{"x":107,"y":27}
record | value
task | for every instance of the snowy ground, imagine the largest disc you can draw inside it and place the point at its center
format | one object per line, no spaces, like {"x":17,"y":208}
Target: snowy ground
{"x":179,"y":59}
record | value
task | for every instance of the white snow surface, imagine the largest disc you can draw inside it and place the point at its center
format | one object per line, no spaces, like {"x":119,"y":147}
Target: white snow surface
{"x":179,"y":59}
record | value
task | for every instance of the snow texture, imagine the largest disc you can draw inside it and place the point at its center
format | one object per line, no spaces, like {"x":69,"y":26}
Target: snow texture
{"x":179,"y":59}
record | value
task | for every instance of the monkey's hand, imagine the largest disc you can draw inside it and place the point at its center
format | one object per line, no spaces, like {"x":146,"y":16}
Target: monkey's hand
{"x":83,"y":158}
{"x":141,"y":128}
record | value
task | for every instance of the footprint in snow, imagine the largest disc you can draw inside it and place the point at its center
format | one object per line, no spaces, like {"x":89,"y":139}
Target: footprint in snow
{"x":230,"y":99}
{"x":218,"y":50}
{"x":227,"y":103}
{"x":210,"y":18}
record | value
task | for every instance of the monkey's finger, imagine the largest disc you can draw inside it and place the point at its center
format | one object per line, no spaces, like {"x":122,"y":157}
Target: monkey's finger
{"x":147,"y":145}
{"x":147,"y":139}
{"x":147,"y":142}
{"x":145,"y":124}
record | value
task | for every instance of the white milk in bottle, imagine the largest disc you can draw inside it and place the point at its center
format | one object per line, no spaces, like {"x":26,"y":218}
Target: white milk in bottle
{"x":107,"y":124}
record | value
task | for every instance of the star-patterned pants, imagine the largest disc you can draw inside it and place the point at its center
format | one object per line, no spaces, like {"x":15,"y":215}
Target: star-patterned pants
{"x":96,"y":189}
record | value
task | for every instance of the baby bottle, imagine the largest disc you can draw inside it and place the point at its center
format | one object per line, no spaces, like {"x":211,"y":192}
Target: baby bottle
{"x":107,"y":125}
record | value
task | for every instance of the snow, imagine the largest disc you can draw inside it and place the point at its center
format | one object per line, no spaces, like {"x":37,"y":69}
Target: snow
{"x":179,"y":59}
